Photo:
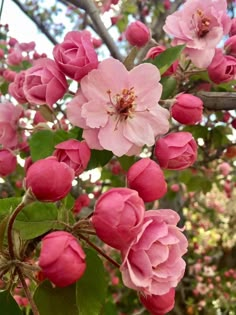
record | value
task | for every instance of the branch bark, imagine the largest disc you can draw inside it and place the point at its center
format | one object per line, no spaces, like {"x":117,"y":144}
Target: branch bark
{"x":92,"y":11}
{"x":218,"y":100}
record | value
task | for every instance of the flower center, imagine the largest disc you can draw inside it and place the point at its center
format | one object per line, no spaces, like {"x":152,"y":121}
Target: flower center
{"x":201,"y":23}
{"x":122,"y":104}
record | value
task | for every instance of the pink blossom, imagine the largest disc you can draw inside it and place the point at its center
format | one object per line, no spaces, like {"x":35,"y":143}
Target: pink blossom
{"x":9,"y":118}
{"x":7,"y":162}
{"x":159,"y":304}
{"x":153,"y":262}
{"x":225,"y":168}
{"x":118,"y":216}
{"x":232,"y":31}
{"x":200,"y":25}
{"x":117,"y":109}
{"x":62,"y":259}
{"x":16,"y":87}
{"x":27,"y":47}
{"x":9,"y":75}
{"x":15,"y":56}
{"x":230,"y":46}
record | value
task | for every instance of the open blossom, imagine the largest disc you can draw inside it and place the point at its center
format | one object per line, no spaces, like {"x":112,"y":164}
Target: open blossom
{"x":118,"y":109}
{"x":153,"y":262}
{"x":199,"y":25}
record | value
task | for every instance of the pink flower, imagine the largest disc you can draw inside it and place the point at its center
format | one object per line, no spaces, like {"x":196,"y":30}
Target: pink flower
{"x":159,"y":304}
{"x":230,"y":46}
{"x":62,"y":259}
{"x":44,"y":83}
{"x":153,"y":262}
{"x":138,"y":178}
{"x":222,"y":68}
{"x":225,"y":168}
{"x":118,"y":216}
{"x":200,"y":25}
{"x":118,"y":109}
{"x":157,"y":50}
{"x":76,"y":56}
{"x":27,"y":47}
{"x":9,"y":75}
{"x":74,"y":153}
{"x":16,"y":88}
{"x":187,"y":109}
{"x":176,"y":151}
{"x":137,"y":34}
{"x":7,"y":162}
{"x":9,"y":118}
{"x":15,"y":57}
{"x":232,"y":31}
{"x":82,"y":201}
{"x":49,"y":179}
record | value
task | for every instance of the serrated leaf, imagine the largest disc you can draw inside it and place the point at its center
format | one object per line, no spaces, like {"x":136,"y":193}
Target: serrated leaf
{"x":58,"y":301}
{"x":99,"y":158}
{"x":167,"y":57}
{"x":8,"y":304}
{"x":36,"y":219}
{"x":91,"y":288}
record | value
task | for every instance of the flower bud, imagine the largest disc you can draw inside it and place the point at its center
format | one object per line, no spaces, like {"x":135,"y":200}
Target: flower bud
{"x":118,"y":216}
{"x":159,"y":304}
{"x":176,"y":151}
{"x":230,"y":46}
{"x":74,"y":153}
{"x":49,"y":179}
{"x":137,"y":34}
{"x":138,"y":178}
{"x":7,"y":162}
{"x":82,"y":201}
{"x":62,"y":259}
{"x":187,"y":109}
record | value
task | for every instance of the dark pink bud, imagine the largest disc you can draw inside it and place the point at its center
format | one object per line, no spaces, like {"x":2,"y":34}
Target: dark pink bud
{"x":7,"y":162}
{"x":176,"y":151}
{"x":138,"y":178}
{"x":62,"y":259}
{"x":137,"y":34}
{"x":118,"y":216}
{"x":49,"y":179}
{"x":82,"y":201}
{"x":187,"y":109}
{"x":74,"y":153}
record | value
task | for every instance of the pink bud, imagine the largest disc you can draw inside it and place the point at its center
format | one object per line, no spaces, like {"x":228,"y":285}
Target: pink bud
{"x":97,"y":42}
{"x":118,"y":216}
{"x":16,"y":87}
{"x":175,"y":187}
{"x":38,"y":118}
{"x":225,"y":168}
{"x":12,"y":41}
{"x":187,"y":109}
{"x":159,"y":304}
{"x":138,"y":178}
{"x":176,"y":151}
{"x":62,"y":259}
{"x":82,"y":201}
{"x":232,"y":31}
{"x":49,"y":179}
{"x":230,"y":46}
{"x":167,"y":4}
{"x":7,"y":162}
{"x":137,"y":34}
{"x":74,"y":153}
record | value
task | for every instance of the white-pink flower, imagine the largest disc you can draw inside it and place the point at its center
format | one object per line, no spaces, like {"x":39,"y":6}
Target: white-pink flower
{"x":200,"y":25}
{"x":118,"y":109}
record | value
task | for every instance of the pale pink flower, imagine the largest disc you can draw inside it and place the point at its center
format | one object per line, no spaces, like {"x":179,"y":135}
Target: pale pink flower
{"x":118,"y":109}
{"x":200,"y":25}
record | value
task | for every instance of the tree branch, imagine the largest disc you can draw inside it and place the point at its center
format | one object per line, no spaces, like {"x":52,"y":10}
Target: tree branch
{"x":218,"y":100}
{"x":36,"y":21}
{"x":92,"y":11}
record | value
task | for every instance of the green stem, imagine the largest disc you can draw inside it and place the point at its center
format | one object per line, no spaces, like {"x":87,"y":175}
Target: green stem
{"x":99,"y":250}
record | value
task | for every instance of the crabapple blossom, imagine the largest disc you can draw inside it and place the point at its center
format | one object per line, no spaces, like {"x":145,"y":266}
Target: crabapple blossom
{"x":74,"y":153}
{"x":9,"y":117}
{"x":147,"y":178}
{"x":117,"y":109}
{"x":230,"y":46}
{"x":49,"y":179}
{"x":159,"y":304}
{"x":200,"y":25}
{"x":187,"y":109}
{"x":9,"y":75}
{"x":76,"y":55}
{"x":7,"y":162}
{"x":16,"y":87}
{"x":137,"y":34}
{"x":153,"y":261}
{"x":44,"y":83}
{"x":118,"y":216}
{"x":176,"y":151}
{"x":62,"y":259}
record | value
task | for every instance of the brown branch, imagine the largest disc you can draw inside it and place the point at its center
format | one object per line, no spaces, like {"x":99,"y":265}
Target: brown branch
{"x":218,"y":100}
{"x":92,"y":11}
{"x":36,"y":21}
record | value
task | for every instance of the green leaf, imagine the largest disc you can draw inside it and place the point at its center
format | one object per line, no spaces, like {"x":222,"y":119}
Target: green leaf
{"x":109,"y":309}
{"x":169,"y":85}
{"x":7,"y":205}
{"x":126,"y":161}
{"x":36,"y":219}
{"x":58,"y":301}
{"x":4,"y":88}
{"x":99,"y":158}
{"x":41,"y":144}
{"x":92,"y":287}
{"x":199,"y":183}
{"x":8,"y":304}
{"x":167,"y":57}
